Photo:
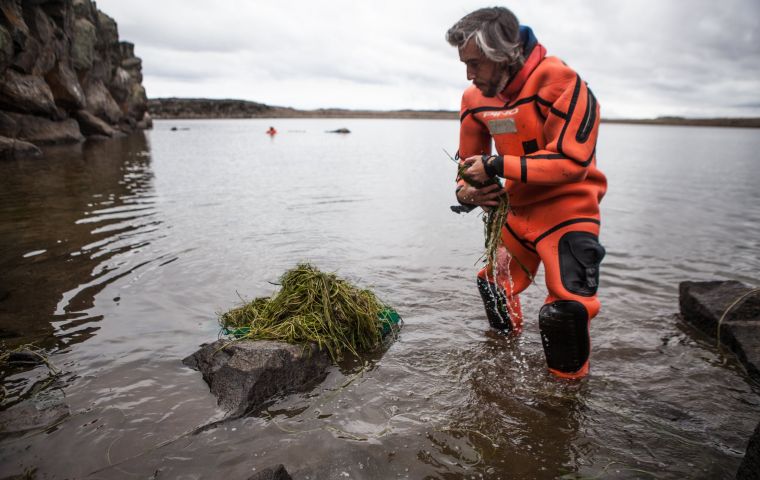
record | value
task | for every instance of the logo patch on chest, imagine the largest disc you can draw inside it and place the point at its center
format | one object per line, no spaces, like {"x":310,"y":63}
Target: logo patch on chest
{"x":502,"y":125}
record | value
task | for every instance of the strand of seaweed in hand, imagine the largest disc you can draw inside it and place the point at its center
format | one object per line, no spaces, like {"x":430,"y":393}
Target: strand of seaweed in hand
{"x":494,"y":219}
{"x":461,"y":173}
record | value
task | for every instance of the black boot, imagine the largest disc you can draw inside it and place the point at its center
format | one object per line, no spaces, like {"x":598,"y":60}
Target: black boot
{"x":495,"y":303}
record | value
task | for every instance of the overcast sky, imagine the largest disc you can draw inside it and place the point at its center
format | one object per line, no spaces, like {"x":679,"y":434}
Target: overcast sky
{"x":642,"y":58}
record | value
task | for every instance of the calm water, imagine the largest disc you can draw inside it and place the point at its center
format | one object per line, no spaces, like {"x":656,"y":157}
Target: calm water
{"x":116,"y":257}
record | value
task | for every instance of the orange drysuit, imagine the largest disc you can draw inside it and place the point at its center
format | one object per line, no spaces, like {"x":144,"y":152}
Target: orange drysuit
{"x":544,"y":126}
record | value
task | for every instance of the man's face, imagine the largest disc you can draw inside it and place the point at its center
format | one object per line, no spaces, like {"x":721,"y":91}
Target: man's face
{"x":490,"y":77}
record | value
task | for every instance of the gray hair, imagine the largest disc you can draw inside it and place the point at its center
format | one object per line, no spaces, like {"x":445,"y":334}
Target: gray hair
{"x":496,"y":31}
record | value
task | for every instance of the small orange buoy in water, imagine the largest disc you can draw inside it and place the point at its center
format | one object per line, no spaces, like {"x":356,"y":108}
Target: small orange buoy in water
{"x":271,"y":131}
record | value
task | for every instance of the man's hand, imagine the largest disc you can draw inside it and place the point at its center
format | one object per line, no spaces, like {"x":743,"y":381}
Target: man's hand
{"x":476,"y":170}
{"x":487,"y":196}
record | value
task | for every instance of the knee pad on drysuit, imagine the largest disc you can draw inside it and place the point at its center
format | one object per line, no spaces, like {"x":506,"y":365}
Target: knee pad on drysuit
{"x":495,"y":303}
{"x":564,"y":334}
{"x":580,"y":255}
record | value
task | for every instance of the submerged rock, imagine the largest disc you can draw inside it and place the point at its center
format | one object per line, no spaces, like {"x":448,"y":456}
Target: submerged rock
{"x":245,"y":374}
{"x":40,"y":412}
{"x":275,"y":473}
{"x":704,"y":303}
{"x":10,"y":149}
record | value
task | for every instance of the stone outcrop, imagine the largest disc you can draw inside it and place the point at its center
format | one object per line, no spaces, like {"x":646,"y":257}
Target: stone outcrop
{"x":43,"y":131}
{"x":65,"y":76}
{"x":245,"y":374}
{"x":10,"y":148}
{"x":703,"y":304}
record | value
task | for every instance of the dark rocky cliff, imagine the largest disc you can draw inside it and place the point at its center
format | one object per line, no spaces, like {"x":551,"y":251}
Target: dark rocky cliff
{"x":64,"y":76}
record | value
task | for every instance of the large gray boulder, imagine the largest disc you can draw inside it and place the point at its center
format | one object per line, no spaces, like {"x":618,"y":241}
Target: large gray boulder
{"x":120,"y":85}
{"x":64,"y":84}
{"x":26,"y":93}
{"x":83,"y":44}
{"x":43,"y":131}
{"x":704,"y":303}
{"x":11,"y":148}
{"x":136,"y":104}
{"x":18,"y":32}
{"x":100,"y":102}
{"x":246,"y":374}
{"x":92,"y":125}
{"x":50,"y":48}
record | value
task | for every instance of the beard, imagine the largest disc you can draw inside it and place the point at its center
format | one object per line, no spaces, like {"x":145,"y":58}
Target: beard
{"x":495,"y":85}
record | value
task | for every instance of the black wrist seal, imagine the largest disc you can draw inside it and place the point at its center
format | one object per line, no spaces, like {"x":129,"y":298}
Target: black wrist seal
{"x":493,"y":165}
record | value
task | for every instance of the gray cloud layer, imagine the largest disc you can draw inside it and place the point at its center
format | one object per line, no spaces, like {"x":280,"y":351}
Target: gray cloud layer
{"x":642,"y":58}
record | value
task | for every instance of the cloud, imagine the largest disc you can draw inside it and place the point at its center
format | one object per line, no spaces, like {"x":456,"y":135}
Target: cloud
{"x":676,"y":57}
{"x":643,"y":58}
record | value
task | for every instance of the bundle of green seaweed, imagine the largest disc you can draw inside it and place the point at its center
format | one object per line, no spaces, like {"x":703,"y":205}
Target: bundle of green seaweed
{"x":314,"y":307}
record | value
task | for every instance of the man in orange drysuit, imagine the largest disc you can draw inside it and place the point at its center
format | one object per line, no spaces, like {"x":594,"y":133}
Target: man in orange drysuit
{"x":544,"y":122}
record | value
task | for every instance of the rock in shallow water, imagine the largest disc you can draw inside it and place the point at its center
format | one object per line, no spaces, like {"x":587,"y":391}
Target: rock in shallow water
{"x":704,"y":303}
{"x":38,"y":413}
{"x":245,"y":374}
{"x":10,"y":149}
{"x":276,"y":473}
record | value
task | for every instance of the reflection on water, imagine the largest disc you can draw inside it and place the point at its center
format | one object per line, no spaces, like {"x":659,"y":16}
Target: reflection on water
{"x":115,"y":256}
{"x":65,"y":222}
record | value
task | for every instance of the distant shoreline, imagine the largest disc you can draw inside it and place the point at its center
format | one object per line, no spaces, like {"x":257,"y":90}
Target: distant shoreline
{"x":691,"y":122}
{"x":203,"y":108}
{"x":190,"y":108}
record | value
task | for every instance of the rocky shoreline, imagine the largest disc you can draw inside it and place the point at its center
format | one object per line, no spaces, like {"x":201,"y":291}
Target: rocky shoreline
{"x":65,"y":76}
